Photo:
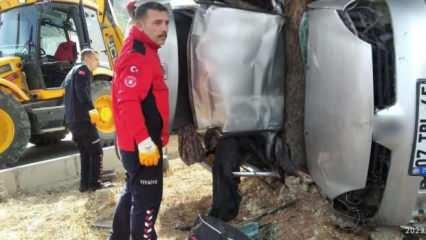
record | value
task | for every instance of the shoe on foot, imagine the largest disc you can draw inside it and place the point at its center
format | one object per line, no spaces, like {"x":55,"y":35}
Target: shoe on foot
{"x":83,"y":188}
{"x":100,"y":185}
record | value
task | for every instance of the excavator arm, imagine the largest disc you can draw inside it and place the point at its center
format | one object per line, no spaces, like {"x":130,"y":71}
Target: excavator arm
{"x":112,"y":34}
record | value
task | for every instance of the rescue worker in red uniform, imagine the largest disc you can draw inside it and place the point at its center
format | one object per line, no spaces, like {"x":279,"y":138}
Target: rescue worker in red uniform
{"x":141,"y":113}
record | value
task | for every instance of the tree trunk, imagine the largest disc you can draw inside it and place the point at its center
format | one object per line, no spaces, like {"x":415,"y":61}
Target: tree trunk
{"x":294,"y":83}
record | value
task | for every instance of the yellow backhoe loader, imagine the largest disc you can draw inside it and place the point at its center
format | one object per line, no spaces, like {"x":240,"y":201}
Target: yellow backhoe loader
{"x":40,"y":42}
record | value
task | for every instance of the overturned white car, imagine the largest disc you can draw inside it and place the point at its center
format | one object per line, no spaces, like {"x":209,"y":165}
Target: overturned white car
{"x":365,"y":108}
{"x":365,"y":94}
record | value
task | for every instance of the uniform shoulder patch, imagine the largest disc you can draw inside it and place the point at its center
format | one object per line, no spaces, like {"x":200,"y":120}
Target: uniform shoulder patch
{"x":82,"y":70}
{"x":134,"y":69}
{"x":130,"y":81}
{"x":139,"y":47}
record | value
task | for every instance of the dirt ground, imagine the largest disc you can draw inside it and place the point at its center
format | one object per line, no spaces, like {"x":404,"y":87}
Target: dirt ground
{"x":67,"y":214}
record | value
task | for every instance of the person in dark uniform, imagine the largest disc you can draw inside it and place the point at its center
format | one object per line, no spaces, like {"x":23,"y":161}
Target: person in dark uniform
{"x":80,"y":117}
{"x":141,"y":113}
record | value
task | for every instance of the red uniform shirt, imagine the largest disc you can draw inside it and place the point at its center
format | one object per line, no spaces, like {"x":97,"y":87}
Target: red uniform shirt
{"x":139,"y":93}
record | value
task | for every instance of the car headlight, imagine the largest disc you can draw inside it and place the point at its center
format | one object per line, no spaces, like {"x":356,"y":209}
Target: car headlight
{"x":5,"y":68}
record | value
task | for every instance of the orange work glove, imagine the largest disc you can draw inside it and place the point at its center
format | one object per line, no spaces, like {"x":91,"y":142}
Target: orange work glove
{"x":148,"y":153}
{"x":94,"y":116}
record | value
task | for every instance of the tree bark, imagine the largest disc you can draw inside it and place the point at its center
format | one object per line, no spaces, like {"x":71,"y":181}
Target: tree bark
{"x":294,"y":83}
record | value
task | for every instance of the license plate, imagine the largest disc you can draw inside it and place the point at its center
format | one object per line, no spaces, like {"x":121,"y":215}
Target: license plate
{"x":418,"y":156}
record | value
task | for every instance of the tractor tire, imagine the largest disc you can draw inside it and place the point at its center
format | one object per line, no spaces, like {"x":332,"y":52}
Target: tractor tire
{"x":101,"y":96}
{"x":15,"y":129}
{"x":48,"y":138}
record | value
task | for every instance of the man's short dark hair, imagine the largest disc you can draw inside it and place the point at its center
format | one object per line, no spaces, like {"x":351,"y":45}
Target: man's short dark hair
{"x":87,"y":52}
{"x":142,"y":10}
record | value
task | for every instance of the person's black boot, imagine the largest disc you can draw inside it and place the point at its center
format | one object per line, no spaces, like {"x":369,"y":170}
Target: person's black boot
{"x":100,"y":185}
{"x":83,"y":188}
{"x":95,"y":186}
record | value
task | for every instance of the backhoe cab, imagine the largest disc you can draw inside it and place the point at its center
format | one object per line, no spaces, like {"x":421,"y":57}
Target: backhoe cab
{"x":39,"y":43}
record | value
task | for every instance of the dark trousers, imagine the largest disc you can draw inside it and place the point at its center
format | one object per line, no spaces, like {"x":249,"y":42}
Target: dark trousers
{"x":226,"y":198}
{"x":85,"y":135}
{"x":138,"y":207}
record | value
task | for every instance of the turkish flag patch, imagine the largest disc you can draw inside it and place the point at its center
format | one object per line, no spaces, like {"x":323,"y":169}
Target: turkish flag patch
{"x":81,"y":72}
{"x":134,"y":69}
